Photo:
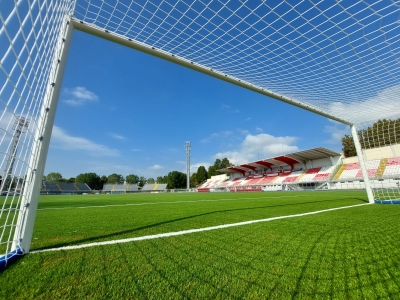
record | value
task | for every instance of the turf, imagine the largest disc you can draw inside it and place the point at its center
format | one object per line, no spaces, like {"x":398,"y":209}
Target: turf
{"x":344,"y":254}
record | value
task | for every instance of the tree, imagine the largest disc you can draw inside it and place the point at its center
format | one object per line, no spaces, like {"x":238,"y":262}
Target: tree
{"x":132,"y":179}
{"x":91,"y":179}
{"x":176,"y":180}
{"x":201,"y":174}
{"x":142,"y":181}
{"x":103,"y":180}
{"x":12,"y":182}
{"x":218,"y":164}
{"x":160,"y":179}
{"x":54,"y":177}
{"x":115,"y":179}
{"x":348,"y":146}
{"x":165,"y":178}
{"x":381,"y":133}
{"x":211,"y":172}
{"x":225,"y":163}
{"x":150,"y":180}
{"x":71,"y":180}
{"x":193,"y":180}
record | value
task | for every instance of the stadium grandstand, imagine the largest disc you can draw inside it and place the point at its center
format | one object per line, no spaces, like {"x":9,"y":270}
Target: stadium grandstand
{"x":120,"y":188}
{"x":133,"y":188}
{"x":317,"y":168}
{"x":65,"y":188}
{"x":155,"y":187}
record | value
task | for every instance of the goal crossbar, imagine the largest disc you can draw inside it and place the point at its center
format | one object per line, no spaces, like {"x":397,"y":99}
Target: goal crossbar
{"x":122,"y":40}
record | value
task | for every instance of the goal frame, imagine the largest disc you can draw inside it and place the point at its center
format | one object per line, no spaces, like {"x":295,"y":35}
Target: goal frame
{"x":30,"y":195}
{"x":26,"y":219}
{"x":40,"y":145}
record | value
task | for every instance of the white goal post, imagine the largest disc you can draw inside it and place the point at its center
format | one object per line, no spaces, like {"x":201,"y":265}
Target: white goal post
{"x":337,"y":59}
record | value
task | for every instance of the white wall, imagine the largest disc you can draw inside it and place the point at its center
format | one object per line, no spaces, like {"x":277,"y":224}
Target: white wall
{"x":376,"y":153}
{"x":219,"y":177}
{"x":359,"y":184}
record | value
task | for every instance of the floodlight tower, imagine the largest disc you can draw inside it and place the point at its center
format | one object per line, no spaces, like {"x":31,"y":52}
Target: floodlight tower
{"x":20,"y":126}
{"x":187,"y":148}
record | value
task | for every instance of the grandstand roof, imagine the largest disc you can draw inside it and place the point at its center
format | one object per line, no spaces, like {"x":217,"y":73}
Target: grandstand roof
{"x":282,"y":160}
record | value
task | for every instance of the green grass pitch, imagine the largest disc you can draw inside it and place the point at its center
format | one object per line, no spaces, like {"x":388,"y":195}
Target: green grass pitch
{"x":352,"y":253}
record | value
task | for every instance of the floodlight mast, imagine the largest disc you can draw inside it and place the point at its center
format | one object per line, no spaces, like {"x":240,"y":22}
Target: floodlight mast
{"x":20,"y":126}
{"x":187,"y":148}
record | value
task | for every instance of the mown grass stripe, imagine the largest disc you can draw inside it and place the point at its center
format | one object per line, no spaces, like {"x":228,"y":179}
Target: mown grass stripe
{"x":183,"y":232}
{"x":169,"y":202}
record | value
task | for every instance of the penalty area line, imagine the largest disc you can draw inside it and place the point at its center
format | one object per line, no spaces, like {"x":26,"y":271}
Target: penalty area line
{"x":183,"y":232}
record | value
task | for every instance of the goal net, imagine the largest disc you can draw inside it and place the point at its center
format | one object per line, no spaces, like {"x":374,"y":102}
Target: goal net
{"x":31,"y":38}
{"x":338,"y":59}
{"x":380,"y":142}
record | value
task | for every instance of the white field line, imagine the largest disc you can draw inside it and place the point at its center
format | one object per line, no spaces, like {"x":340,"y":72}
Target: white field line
{"x":176,"y":233}
{"x":170,"y":202}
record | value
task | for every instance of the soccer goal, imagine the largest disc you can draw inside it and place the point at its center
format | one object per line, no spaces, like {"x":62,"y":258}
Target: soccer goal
{"x":336,"y":59}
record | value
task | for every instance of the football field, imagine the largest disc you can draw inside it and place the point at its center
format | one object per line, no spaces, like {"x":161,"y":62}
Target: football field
{"x":276,"y":245}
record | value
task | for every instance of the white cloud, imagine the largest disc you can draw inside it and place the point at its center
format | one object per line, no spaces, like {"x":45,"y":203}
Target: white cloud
{"x":60,"y":139}
{"x":73,"y":102}
{"x":6,"y":124}
{"x":82,"y":93}
{"x":259,"y":147}
{"x":220,"y":134}
{"x":79,"y":96}
{"x":136,"y":150}
{"x":258,"y":129}
{"x":156,"y":167}
{"x":337,"y":131}
{"x":247,"y":119}
{"x":117,"y":136}
{"x":6,"y":118}
{"x":384,"y":105}
{"x":243,"y":131}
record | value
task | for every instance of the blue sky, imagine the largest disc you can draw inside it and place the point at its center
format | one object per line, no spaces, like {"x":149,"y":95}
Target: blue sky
{"x":126,"y":112}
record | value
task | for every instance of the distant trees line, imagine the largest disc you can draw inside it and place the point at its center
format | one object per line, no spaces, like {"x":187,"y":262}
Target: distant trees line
{"x":174,"y":179}
{"x":202,"y":174}
{"x":96,"y":182}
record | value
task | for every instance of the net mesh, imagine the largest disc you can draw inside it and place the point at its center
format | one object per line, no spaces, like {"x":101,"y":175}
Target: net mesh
{"x":340,"y":58}
{"x":380,"y":141}
{"x":380,"y":144}
{"x":28,"y":38}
